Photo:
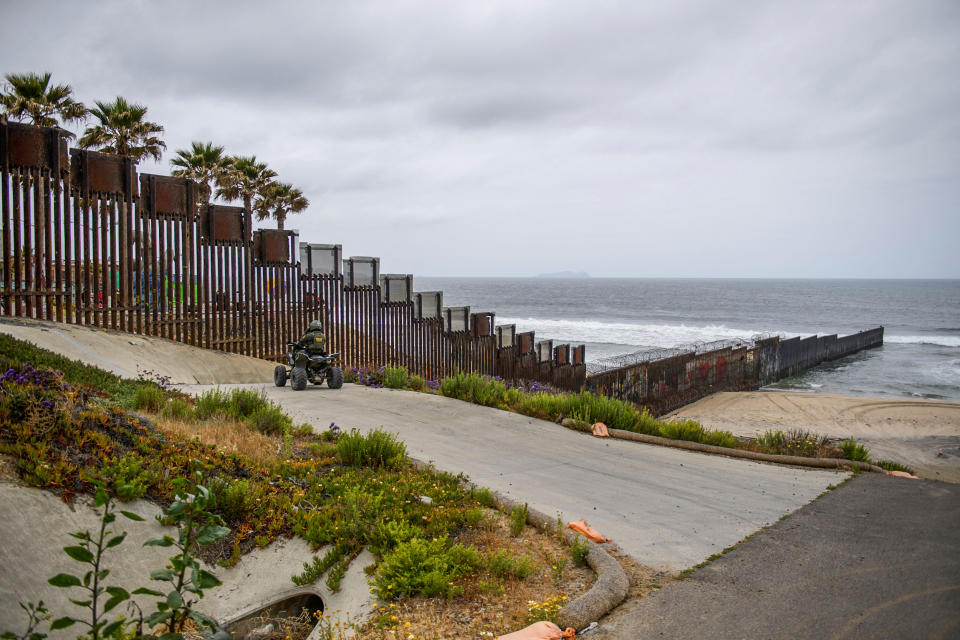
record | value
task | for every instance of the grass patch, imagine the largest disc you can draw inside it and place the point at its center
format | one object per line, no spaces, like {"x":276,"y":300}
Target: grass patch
{"x":518,"y":519}
{"x":395,"y":377}
{"x":149,"y":398}
{"x":374,"y":449}
{"x":854,"y":451}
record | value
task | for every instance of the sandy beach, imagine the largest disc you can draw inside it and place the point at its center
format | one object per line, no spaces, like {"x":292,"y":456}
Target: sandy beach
{"x":923,"y":434}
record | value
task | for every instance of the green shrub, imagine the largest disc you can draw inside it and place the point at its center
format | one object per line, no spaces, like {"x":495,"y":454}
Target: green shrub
{"x":246,"y":402}
{"x":211,"y":403}
{"x":683,"y":430}
{"x":387,"y":535}
{"x":503,"y":564}
{"x":374,"y":449}
{"x":482,"y":495}
{"x":579,"y":552}
{"x":421,"y":567}
{"x":475,"y":388}
{"x":302,"y":429}
{"x":474,"y":517}
{"x":719,"y":438}
{"x":128,"y":477}
{"x":149,"y":397}
{"x":417,"y":383}
{"x":772,"y":441}
{"x":518,"y":519}
{"x":269,"y":419}
{"x":854,"y":451}
{"x":395,"y":377}
{"x":236,"y":499}
{"x":177,"y":409}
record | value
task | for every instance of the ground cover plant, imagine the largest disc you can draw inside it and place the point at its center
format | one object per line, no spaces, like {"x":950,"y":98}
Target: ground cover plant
{"x":584,"y":408}
{"x":268,"y":478}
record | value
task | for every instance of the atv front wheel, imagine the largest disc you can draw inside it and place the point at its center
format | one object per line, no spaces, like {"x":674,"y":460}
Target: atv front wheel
{"x":298,"y":379}
{"x":280,"y":375}
{"x":335,"y":378}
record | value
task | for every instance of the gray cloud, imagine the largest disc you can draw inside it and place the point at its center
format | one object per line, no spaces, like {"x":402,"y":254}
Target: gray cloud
{"x":686,"y":138}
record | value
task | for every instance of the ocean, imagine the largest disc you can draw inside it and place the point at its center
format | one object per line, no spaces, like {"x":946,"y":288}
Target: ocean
{"x":920,"y":357}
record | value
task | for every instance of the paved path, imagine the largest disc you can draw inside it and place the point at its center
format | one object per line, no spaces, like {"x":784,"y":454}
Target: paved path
{"x":669,"y":509}
{"x":877,"y":558}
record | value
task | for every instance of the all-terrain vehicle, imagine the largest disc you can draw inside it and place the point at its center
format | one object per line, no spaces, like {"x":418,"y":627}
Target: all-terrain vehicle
{"x":304,"y":367}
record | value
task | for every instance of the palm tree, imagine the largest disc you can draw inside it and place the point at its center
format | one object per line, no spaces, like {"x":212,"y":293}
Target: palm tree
{"x":123,"y":131}
{"x":245,"y":179}
{"x":278,"y":200}
{"x":31,"y":96}
{"x":204,"y":163}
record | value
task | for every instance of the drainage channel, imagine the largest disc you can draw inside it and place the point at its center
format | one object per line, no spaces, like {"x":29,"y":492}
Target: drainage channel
{"x":264,"y":621}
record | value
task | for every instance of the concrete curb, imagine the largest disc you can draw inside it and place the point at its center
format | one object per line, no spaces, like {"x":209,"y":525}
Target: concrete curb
{"x":800,"y":461}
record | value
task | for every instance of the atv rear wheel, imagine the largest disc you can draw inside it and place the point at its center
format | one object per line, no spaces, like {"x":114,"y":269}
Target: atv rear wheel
{"x":280,"y":375}
{"x":335,"y":378}
{"x":298,"y":379}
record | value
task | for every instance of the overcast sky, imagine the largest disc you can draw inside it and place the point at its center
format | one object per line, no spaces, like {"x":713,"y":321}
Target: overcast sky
{"x":691,"y":139}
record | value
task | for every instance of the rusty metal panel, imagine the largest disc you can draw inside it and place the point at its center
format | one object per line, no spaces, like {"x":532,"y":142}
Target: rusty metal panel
{"x":29,"y":147}
{"x":578,"y":355}
{"x":107,"y":174}
{"x":525,"y":342}
{"x":167,"y":195}
{"x":561,"y":354}
{"x":93,"y":172}
{"x":273,"y":245}
{"x":482,"y":323}
{"x":506,"y":336}
{"x":224,"y":224}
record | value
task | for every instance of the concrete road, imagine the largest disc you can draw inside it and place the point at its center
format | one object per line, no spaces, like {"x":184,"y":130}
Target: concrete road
{"x":669,"y":509}
{"x":877,"y":558}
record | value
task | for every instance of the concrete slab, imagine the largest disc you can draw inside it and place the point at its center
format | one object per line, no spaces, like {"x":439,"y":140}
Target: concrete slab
{"x":35,"y":526}
{"x":122,"y":353}
{"x":877,"y":558}
{"x":669,"y":509}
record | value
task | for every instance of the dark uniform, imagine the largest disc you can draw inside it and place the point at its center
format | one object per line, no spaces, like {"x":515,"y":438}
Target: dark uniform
{"x":314,"y":341}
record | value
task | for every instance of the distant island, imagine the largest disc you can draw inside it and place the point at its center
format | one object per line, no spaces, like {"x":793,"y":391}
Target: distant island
{"x":565,"y":274}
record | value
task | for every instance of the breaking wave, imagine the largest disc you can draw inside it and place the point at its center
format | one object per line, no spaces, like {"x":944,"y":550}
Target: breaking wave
{"x":638,"y":335}
{"x":941,"y":341}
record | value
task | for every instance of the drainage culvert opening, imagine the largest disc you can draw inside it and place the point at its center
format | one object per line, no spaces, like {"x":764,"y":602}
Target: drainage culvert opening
{"x":292,"y":618}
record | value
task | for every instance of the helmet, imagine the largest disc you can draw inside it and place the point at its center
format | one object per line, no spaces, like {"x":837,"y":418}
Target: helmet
{"x":315,"y":325}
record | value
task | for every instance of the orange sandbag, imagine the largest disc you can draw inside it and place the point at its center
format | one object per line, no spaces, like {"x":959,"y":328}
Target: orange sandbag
{"x":540,"y":631}
{"x":600,"y":430}
{"x":581,"y":526}
{"x":901,"y":474}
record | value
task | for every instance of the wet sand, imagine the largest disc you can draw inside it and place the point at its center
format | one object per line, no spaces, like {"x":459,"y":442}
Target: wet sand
{"x":912,"y":432}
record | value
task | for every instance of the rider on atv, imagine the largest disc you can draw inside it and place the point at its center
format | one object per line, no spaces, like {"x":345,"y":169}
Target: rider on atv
{"x":309,"y":361}
{"x":314,"y":340}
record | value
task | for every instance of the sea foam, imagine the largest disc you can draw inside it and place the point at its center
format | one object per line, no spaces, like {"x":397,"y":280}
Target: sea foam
{"x":640,"y":335}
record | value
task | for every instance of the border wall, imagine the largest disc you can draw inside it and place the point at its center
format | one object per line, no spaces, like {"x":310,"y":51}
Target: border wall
{"x":662,"y":384}
{"x":87,"y":240}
